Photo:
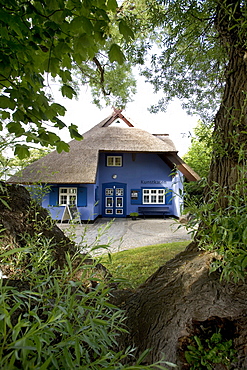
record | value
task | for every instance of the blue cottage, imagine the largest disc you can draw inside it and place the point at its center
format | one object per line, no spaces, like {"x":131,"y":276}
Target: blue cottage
{"x":115,"y":170}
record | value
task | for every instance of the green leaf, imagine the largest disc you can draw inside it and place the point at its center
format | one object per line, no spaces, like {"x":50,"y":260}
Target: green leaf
{"x":52,"y":65}
{"x":82,"y":24}
{"x":60,"y":124}
{"x":66,"y":76}
{"x":83,"y":44}
{"x":5,"y":115}
{"x":61,"y":49}
{"x":142,"y":356}
{"x":112,"y":5}
{"x":21,"y":151}
{"x":73,"y":129}
{"x":59,"y":109}
{"x":46,"y":364}
{"x":244,"y":263}
{"x":4,"y":203}
{"x":125,"y":30}
{"x":100,"y":322}
{"x":116,"y":54}
{"x":15,"y":128}
{"x":7,"y":103}
{"x":68,"y":91}
{"x":62,"y":146}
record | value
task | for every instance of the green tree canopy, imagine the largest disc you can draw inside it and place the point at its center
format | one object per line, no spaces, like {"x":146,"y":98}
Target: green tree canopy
{"x":46,"y":39}
{"x":199,"y":153}
{"x":198,"y":157}
{"x":202,"y":60}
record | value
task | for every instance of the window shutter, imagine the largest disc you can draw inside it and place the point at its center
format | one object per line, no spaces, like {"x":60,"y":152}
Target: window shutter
{"x":169,"y":196}
{"x":82,"y":197}
{"x":53,"y":196}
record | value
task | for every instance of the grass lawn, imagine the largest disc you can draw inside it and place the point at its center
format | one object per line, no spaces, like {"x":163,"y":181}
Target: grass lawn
{"x":134,"y":266}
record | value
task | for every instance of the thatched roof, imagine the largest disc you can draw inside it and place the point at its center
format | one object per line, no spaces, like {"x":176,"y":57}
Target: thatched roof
{"x":80,"y":164}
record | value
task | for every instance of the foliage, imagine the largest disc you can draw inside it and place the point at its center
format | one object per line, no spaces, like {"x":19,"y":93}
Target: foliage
{"x":214,"y":351}
{"x":35,"y":154}
{"x":11,"y":165}
{"x":56,"y":321}
{"x":189,"y":62}
{"x":59,"y":316}
{"x":198,"y":157}
{"x":133,"y":266}
{"x":224,"y":230}
{"x":199,"y":153}
{"x":41,"y":40}
{"x":134,"y":214}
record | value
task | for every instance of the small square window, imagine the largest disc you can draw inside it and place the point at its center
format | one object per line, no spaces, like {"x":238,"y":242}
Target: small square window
{"x":114,"y":161}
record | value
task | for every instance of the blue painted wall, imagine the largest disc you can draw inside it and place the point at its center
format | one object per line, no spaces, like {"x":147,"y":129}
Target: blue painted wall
{"x":140,"y":170}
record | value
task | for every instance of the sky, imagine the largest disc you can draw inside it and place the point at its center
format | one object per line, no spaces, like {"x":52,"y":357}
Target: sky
{"x":174,"y":121}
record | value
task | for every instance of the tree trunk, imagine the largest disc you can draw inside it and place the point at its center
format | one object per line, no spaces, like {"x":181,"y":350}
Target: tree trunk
{"x":182,"y":299}
{"x":230,"y":134}
{"x":20,"y":218}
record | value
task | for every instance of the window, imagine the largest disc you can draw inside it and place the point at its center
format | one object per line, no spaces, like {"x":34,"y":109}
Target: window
{"x":114,"y":161}
{"x":153,"y":196}
{"x":67,"y":196}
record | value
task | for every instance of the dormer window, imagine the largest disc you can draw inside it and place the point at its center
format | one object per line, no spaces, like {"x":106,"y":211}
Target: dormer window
{"x":114,"y":161}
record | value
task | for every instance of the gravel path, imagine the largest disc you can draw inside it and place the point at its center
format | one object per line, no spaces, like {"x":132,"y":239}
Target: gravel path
{"x":122,"y":234}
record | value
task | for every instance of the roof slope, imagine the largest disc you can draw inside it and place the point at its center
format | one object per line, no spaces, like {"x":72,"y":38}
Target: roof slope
{"x":79,"y":165}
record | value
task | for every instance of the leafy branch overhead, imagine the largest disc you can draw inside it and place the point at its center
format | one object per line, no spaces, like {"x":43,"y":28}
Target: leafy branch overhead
{"x":41,"y":40}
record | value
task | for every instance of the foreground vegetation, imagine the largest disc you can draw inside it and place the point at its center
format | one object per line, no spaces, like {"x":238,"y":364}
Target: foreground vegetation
{"x":59,"y":317}
{"x":134,"y":266}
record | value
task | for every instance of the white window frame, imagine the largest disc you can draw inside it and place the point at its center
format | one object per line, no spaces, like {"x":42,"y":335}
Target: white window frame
{"x":114,"y":159}
{"x":67,"y":193}
{"x":154,"y":196}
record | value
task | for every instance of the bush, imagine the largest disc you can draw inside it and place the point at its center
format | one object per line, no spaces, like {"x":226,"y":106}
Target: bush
{"x":58,"y":318}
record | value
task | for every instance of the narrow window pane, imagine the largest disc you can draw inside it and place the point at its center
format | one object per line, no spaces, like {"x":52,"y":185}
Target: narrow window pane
{"x":110,"y":161}
{"x":146,"y":199}
{"x":109,"y":202}
{"x":119,"y":191}
{"x":109,"y":211}
{"x":109,"y":191}
{"x":161,"y":199}
{"x":119,"y":201}
{"x":72,"y":200}
{"x":118,"y":161}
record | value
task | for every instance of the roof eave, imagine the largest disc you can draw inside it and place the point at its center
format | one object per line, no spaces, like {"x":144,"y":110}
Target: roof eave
{"x":174,"y":161}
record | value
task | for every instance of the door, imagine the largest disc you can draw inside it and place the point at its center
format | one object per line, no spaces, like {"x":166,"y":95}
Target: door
{"x":114,"y":198}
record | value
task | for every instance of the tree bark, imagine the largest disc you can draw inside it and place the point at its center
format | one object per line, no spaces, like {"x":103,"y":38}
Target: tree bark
{"x":230,"y":134}
{"x":182,"y":299}
{"x":178,"y":300}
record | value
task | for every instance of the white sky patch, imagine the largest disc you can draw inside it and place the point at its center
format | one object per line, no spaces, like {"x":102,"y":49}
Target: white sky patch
{"x":175,"y":121}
